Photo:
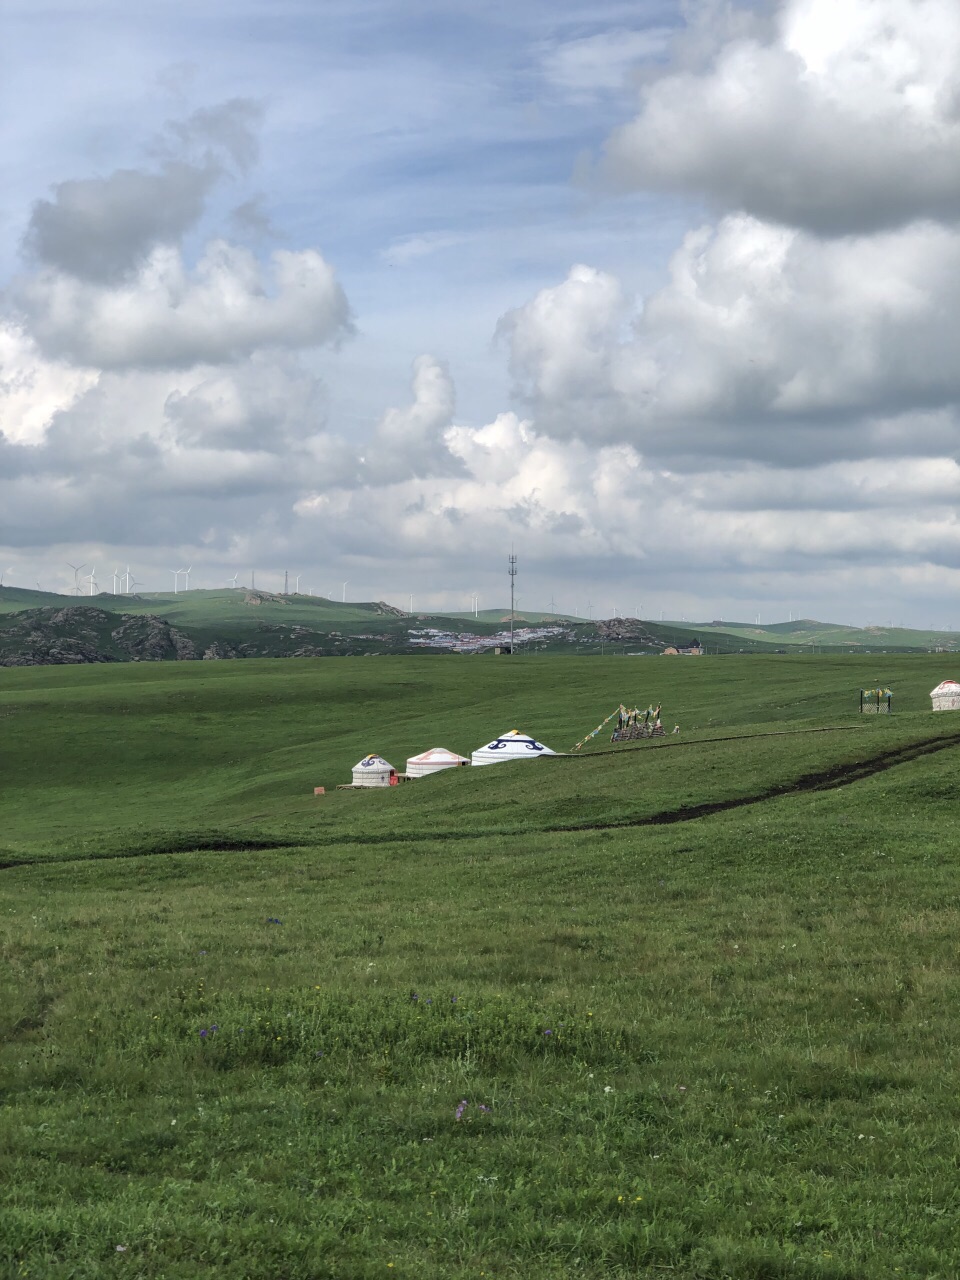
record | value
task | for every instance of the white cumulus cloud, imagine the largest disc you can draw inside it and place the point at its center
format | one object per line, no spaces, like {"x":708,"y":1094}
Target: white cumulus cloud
{"x":845,"y":117}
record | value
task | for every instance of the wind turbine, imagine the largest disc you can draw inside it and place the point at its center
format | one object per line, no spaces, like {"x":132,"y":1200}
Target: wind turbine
{"x":186,"y":574}
{"x":76,"y":577}
{"x":176,"y":578}
{"x":134,"y":583}
{"x":296,"y":589}
{"x":345,"y":585}
{"x":233,"y":580}
{"x":9,"y":569}
{"x":117,"y":577}
{"x":92,"y":579}
{"x":126,"y":578}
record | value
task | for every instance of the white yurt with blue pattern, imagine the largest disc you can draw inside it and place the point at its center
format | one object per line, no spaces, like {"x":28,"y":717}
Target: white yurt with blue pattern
{"x":512,"y":745}
{"x":373,"y":771}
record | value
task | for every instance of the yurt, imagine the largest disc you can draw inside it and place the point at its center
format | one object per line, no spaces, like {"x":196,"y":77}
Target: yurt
{"x":373,"y":771}
{"x":946,"y":696}
{"x":512,"y":745}
{"x":433,"y":761}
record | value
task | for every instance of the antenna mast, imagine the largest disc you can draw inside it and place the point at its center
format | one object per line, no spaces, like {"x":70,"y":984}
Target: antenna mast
{"x":513,"y":574}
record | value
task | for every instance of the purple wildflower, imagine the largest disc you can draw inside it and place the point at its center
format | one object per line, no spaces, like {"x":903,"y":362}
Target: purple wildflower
{"x":462,"y":1108}
{"x":203,"y":1034}
{"x":548,"y":1032}
{"x":453,"y":999}
{"x":483,"y":1108}
{"x":214,"y":1027}
{"x":429,"y":1002}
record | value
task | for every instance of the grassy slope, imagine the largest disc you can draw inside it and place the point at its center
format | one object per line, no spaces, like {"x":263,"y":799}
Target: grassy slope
{"x":806,"y":632}
{"x":751,"y":1066}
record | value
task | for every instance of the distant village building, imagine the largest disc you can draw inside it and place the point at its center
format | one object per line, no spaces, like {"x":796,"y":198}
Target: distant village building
{"x":692,"y":650}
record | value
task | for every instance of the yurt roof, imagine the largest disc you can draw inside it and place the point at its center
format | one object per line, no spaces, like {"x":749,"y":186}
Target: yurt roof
{"x":373,"y":762}
{"x":437,"y":755}
{"x":514,"y":743}
{"x":946,"y":686}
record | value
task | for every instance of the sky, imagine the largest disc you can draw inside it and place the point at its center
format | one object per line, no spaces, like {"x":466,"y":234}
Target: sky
{"x":662,"y":296}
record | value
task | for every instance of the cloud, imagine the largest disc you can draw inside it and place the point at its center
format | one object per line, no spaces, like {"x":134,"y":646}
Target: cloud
{"x":845,"y":118}
{"x":765,"y":344}
{"x":101,"y":229}
{"x":410,"y":441}
{"x":402,"y":252}
{"x":104,"y":229}
{"x":268,"y":404}
{"x":33,"y":389}
{"x":579,"y":509}
{"x":167,"y":316}
{"x":167,"y":458}
{"x":226,"y":129}
{"x":580,"y":69}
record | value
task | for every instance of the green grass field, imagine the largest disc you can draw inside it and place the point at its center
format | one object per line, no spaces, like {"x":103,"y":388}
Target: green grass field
{"x":679,"y":1008}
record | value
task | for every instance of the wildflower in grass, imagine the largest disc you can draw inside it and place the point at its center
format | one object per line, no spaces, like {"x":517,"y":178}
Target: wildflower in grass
{"x":461,"y":1109}
{"x":203,"y":1034}
{"x":608,"y":1088}
{"x":414,"y":997}
{"x":121,"y":1248}
{"x":214,"y":1028}
{"x":486,"y":1110}
{"x":548,"y":1032}
{"x":453,"y":999}
{"x":203,"y":953}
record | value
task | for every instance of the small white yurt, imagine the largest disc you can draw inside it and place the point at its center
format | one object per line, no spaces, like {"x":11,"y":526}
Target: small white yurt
{"x":373,"y":771}
{"x":433,"y":761}
{"x":512,"y":745}
{"x":946,"y":696}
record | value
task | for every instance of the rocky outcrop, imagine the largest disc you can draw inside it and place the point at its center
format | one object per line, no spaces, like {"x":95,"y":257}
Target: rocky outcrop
{"x":147,"y":638}
{"x":79,"y":634}
{"x":52,"y":637}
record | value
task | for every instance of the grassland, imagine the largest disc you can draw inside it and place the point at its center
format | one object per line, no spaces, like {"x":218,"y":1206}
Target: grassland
{"x":683,"y":1008}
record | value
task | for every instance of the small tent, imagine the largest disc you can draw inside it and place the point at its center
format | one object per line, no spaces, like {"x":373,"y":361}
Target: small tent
{"x":512,"y":745}
{"x":373,"y":771}
{"x":946,"y":696}
{"x":433,"y":761}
